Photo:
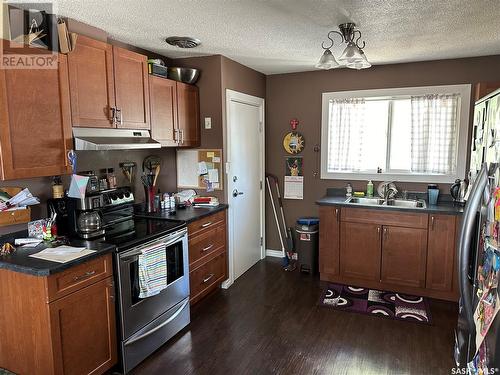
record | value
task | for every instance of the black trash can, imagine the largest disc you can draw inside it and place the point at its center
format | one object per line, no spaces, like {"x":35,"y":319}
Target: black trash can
{"x":307,"y":242}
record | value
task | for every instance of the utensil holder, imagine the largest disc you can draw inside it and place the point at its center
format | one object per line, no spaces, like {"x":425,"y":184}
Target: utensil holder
{"x":149,"y":192}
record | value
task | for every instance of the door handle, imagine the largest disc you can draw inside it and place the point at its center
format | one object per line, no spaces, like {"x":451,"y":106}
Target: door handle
{"x":236,"y":193}
{"x":119,"y":116}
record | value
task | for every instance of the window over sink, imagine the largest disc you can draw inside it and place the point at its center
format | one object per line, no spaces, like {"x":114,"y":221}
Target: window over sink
{"x":406,"y":134}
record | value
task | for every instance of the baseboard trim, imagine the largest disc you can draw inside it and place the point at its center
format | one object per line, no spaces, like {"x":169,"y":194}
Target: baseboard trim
{"x":274,"y":253}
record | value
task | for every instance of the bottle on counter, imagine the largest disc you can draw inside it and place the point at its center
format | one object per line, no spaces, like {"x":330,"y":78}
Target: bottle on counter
{"x":369,"y":189}
{"x":111,"y":178}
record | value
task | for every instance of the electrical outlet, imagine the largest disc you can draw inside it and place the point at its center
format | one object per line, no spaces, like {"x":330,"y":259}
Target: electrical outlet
{"x":208,"y":123}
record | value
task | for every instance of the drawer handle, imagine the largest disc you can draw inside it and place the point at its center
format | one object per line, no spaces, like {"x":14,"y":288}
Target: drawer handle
{"x":208,"y":278}
{"x":206,"y":224}
{"x":207,"y":248}
{"x":84,"y":276}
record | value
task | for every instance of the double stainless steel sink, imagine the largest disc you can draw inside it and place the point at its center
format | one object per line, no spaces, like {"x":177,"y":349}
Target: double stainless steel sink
{"x":400,"y":203}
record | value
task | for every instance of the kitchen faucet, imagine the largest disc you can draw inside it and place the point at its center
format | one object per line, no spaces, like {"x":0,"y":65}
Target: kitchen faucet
{"x":388,"y":190}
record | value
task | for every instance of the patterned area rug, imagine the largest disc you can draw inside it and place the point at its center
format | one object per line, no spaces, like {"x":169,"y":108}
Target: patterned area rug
{"x":375,"y":302}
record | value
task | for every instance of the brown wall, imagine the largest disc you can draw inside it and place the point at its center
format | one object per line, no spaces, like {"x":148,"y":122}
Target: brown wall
{"x":219,"y":73}
{"x":298,"y":95}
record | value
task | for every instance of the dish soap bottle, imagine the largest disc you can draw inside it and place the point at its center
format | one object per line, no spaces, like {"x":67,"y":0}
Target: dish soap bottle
{"x":369,"y":189}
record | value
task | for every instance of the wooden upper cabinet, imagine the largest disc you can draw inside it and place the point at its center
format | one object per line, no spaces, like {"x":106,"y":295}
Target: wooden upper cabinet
{"x":441,"y":252}
{"x":163,"y":101}
{"x":131,"y":89}
{"x":329,"y":240}
{"x":404,"y":256}
{"x":360,"y":250}
{"x":91,"y":83}
{"x":35,"y":116}
{"x":188,"y":115}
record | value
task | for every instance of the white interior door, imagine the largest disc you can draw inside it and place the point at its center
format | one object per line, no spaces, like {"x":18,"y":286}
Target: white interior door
{"x":245,"y":173}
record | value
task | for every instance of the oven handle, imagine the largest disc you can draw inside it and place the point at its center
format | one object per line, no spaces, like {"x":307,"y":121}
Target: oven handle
{"x":131,"y":254}
{"x":150,"y":332}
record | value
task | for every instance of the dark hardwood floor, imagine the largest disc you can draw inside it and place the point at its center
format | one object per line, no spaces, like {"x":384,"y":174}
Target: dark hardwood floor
{"x":269,"y":322}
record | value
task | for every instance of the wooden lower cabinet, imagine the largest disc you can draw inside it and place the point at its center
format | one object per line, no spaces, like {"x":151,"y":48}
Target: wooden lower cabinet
{"x":73,"y":334}
{"x":360,"y":250}
{"x":84,"y":330}
{"x":441,"y":251}
{"x":207,"y":255}
{"x":404,"y":253}
{"x":329,"y":243}
{"x":407,"y":252}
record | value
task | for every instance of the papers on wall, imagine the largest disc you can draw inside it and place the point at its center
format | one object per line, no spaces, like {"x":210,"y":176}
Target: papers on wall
{"x":202,"y":168}
{"x":294,"y":187}
{"x":213,"y":175}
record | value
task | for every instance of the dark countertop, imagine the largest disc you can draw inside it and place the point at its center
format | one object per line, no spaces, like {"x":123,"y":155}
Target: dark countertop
{"x":446,"y":208}
{"x":188,"y":214}
{"x":20,"y":261}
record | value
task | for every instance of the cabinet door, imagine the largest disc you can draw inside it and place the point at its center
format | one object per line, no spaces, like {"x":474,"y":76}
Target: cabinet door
{"x":83,"y":330}
{"x":404,"y":256}
{"x":131,"y":88}
{"x":35,"y":116}
{"x":188,"y":115}
{"x":91,"y":83}
{"x":329,"y":240}
{"x":360,"y":250}
{"x":163,"y":100}
{"x":441,"y":252}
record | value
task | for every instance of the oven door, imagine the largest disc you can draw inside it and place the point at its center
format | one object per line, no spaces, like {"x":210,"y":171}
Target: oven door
{"x":137,"y":312}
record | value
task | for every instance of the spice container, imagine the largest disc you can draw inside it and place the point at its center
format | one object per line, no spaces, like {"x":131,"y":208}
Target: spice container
{"x":111,"y":177}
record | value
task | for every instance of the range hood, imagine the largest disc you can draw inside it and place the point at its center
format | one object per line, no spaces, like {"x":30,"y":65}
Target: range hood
{"x":112,"y":139}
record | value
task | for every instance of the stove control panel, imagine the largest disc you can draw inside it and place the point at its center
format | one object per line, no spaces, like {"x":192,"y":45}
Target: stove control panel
{"x":118,"y":196}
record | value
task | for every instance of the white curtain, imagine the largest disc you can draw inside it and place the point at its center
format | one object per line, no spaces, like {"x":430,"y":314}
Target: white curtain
{"x":346,"y":134}
{"x":434,"y":133}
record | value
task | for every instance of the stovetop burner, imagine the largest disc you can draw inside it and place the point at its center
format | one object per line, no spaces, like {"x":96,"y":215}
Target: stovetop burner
{"x":143,"y":230}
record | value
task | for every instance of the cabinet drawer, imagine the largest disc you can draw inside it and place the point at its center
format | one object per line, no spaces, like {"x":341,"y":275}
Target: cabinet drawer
{"x":205,"y":244}
{"x":394,"y":218}
{"x":206,"y":224}
{"x":207,"y":277}
{"x":75,"y":278}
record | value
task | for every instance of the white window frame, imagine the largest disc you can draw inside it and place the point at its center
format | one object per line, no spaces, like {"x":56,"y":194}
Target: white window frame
{"x":462,"y":137}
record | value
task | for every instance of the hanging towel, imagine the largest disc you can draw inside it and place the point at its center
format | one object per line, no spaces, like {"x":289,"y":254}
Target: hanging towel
{"x":152,"y":271}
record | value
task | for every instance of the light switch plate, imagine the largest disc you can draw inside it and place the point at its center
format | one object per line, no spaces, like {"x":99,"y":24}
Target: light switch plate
{"x":208,"y":123}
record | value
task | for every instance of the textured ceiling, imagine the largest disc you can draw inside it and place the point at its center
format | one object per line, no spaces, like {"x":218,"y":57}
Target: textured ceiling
{"x":279,"y":36}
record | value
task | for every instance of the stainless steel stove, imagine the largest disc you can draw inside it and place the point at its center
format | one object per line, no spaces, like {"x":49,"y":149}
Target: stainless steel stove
{"x":145,"y":324}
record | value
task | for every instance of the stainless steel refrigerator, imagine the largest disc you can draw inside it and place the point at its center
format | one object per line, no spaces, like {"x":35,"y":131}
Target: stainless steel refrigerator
{"x":477,"y":337}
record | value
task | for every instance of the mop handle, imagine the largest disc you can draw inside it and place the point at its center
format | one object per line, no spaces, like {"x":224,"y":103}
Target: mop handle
{"x":275,"y":215}
{"x":280,"y":202}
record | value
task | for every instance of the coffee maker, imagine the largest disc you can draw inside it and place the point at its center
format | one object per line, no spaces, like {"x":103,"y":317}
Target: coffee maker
{"x":85,"y":218}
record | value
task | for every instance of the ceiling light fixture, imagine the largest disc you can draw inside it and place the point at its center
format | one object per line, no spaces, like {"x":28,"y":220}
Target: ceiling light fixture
{"x":353,"y":56}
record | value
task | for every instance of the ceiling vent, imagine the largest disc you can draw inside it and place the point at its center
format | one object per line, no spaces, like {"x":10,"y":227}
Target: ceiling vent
{"x":183,"y":41}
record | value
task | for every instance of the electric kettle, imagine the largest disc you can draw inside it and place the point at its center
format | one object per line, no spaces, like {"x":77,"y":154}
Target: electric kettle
{"x":459,"y":190}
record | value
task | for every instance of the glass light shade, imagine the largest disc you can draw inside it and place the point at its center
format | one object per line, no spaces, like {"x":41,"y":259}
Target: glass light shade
{"x":327,"y":61}
{"x":351,"y":54}
{"x":361,"y":64}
